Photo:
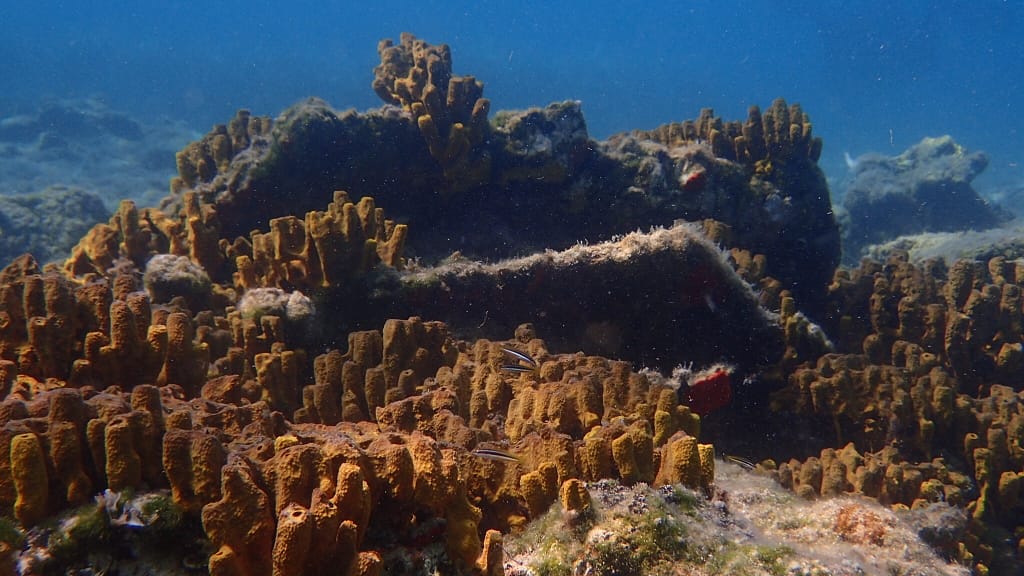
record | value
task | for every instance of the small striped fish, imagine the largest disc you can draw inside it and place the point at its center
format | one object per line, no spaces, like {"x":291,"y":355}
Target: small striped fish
{"x":740,"y":461}
{"x":495,"y":454}
{"x":525,"y":362}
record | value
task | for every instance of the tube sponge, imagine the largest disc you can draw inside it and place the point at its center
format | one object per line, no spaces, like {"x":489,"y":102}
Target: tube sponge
{"x":28,"y":470}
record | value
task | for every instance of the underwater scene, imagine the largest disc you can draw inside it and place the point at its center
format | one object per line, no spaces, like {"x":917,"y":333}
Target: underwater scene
{"x":523,"y":289}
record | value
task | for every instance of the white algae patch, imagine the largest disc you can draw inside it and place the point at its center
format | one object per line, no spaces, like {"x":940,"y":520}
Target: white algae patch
{"x":748,"y":526}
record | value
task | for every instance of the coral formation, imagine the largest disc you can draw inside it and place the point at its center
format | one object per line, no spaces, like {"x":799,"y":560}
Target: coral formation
{"x":206,"y":159}
{"x":327,"y":249}
{"x":190,"y":354}
{"x":411,"y":454}
{"x":923,"y":391}
{"x":760,"y":177}
{"x":449,"y":110}
{"x":535,"y":170}
{"x":763,"y":143}
{"x":133,"y":236}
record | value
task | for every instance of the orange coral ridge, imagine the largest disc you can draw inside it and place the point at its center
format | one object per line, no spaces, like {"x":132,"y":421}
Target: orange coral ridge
{"x":783,"y":133}
{"x":924,"y":331}
{"x":239,"y":463}
{"x":323,"y":250}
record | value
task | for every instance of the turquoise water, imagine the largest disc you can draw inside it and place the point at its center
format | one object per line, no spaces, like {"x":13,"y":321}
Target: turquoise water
{"x":871,"y":78}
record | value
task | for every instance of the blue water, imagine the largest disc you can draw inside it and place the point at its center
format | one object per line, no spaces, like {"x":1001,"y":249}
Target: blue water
{"x":872,"y":79}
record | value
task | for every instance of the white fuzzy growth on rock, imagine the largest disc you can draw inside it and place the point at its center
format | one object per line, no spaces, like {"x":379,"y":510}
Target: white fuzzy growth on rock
{"x":292,"y":306}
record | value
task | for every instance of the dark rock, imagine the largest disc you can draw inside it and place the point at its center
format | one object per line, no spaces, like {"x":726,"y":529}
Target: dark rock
{"x":693,"y":305}
{"x":941,"y":526}
{"x":543,"y":143}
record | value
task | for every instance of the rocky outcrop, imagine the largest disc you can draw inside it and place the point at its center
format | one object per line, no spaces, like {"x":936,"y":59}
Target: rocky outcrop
{"x":927,"y":188}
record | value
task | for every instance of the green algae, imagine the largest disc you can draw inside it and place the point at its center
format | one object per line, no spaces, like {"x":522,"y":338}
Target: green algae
{"x":611,"y":543}
{"x":75,"y":535}
{"x":149,"y":532}
{"x":687,"y":501}
{"x":552,"y":567}
{"x":10,"y":533}
{"x":772,"y":558}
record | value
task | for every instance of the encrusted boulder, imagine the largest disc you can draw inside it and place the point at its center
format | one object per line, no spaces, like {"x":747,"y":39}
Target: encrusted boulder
{"x":760,"y":177}
{"x":927,"y":188}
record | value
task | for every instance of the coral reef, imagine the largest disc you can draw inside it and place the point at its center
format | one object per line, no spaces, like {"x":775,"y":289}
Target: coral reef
{"x":927,"y":188}
{"x":204,"y":160}
{"x":329,"y":256}
{"x":411,"y":401}
{"x":327,"y":249}
{"x":239,"y":464}
{"x":531,"y":179}
{"x":760,"y":177}
{"x":133,"y":236}
{"x":764,"y":143}
{"x":186,"y":363}
{"x":925,"y":388}
{"x":310,"y":147}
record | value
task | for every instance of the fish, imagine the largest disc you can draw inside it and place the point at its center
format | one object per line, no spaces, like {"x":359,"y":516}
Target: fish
{"x":495,"y":454}
{"x":521,"y":356}
{"x":740,"y":461}
{"x":525,"y":362}
{"x":517,"y":368}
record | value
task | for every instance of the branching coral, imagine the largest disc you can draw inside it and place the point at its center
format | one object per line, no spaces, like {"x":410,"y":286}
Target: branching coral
{"x":449,"y":110}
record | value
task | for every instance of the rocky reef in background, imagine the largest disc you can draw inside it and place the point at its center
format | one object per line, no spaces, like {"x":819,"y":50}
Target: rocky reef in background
{"x":1005,"y":241}
{"x":927,"y":188}
{"x":65,"y":165}
{"x":86,"y":144}
{"x":47,"y":224}
{"x":397,"y":377}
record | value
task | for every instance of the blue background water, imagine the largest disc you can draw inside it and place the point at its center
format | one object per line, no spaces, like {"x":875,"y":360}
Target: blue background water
{"x":872,"y":78}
